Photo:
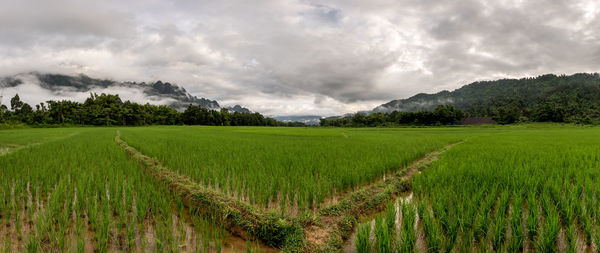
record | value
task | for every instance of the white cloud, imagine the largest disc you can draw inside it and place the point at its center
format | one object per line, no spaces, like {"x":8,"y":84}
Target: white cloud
{"x":300,"y":56}
{"x":32,"y":93}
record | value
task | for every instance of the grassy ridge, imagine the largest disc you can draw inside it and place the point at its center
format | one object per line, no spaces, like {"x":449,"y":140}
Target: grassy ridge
{"x":289,"y":166}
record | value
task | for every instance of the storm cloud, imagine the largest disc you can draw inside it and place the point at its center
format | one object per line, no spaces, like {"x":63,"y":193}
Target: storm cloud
{"x":301,"y":57}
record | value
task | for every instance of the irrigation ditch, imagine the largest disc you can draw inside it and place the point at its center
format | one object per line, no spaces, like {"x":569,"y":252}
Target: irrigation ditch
{"x":326,"y":231}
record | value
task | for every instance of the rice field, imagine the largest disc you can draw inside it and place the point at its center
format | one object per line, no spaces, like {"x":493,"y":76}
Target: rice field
{"x":287,"y":167}
{"x":76,"y":191}
{"x":531,"y":188}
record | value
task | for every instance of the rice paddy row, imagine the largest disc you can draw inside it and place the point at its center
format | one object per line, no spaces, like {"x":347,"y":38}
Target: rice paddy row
{"x":523,"y":190}
{"x":79,"y":193}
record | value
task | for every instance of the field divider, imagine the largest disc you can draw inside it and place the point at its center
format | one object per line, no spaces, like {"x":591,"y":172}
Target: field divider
{"x":239,"y":218}
{"x":336,"y":222}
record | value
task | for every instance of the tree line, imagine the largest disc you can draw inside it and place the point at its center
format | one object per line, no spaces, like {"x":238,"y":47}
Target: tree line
{"x":110,"y":110}
{"x":546,"y":98}
{"x":442,"y":115}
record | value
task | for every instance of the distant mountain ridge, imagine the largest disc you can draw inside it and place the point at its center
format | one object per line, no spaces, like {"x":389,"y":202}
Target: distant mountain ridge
{"x":177,"y":96}
{"x":306,"y":119}
{"x":543,"y":98}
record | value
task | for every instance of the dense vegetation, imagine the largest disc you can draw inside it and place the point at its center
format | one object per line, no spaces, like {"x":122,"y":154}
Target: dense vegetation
{"x":546,"y":98}
{"x":442,"y":115}
{"x":110,"y":110}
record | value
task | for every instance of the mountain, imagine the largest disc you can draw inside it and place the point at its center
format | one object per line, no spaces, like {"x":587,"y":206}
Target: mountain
{"x":156,"y":92}
{"x":306,"y":119}
{"x":564,"y":98}
{"x":238,"y":108}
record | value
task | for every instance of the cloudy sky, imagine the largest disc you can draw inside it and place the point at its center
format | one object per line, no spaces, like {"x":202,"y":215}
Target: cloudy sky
{"x":293,"y":57}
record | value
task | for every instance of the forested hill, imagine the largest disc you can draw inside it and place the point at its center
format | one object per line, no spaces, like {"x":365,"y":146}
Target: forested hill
{"x":574,"y":98}
{"x":176,"y":96}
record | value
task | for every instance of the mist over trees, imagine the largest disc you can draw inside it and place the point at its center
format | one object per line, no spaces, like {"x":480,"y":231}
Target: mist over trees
{"x":110,"y":110}
{"x":546,"y":98}
{"x":442,"y":115}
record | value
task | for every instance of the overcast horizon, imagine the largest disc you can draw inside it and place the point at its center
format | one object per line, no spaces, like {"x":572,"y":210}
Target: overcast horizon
{"x":300,"y":57}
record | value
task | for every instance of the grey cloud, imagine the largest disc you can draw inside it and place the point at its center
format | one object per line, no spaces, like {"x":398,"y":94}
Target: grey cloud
{"x":298,"y":56}
{"x":61,"y":23}
{"x":33,"y":92}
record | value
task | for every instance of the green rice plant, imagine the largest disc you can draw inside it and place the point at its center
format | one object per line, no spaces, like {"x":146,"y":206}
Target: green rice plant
{"x":7,"y":246}
{"x":390,"y":217}
{"x":103,"y":232}
{"x":17,"y":218}
{"x":219,"y":240}
{"x":498,"y":231}
{"x":92,"y":213}
{"x":422,"y":209}
{"x":432,"y":233}
{"x":466,"y":242}
{"x":547,"y":240}
{"x":588,"y":229}
{"x":80,"y":244}
{"x":130,"y":239}
{"x":571,"y":239}
{"x":383,"y":236}
{"x":33,"y":245}
{"x":532,"y":216}
{"x":199,"y":248}
{"x":503,"y":203}
{"x":408,"y":236}
{"x":597,"y":238}
{"x":451,"y":232}
{"x":257,"y":248}
{"x":480,"y":226}
{"x":362,"y":241}
{"x":206,"y":238}
{"x":517,"y":237}
{"x":589,"y":197}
